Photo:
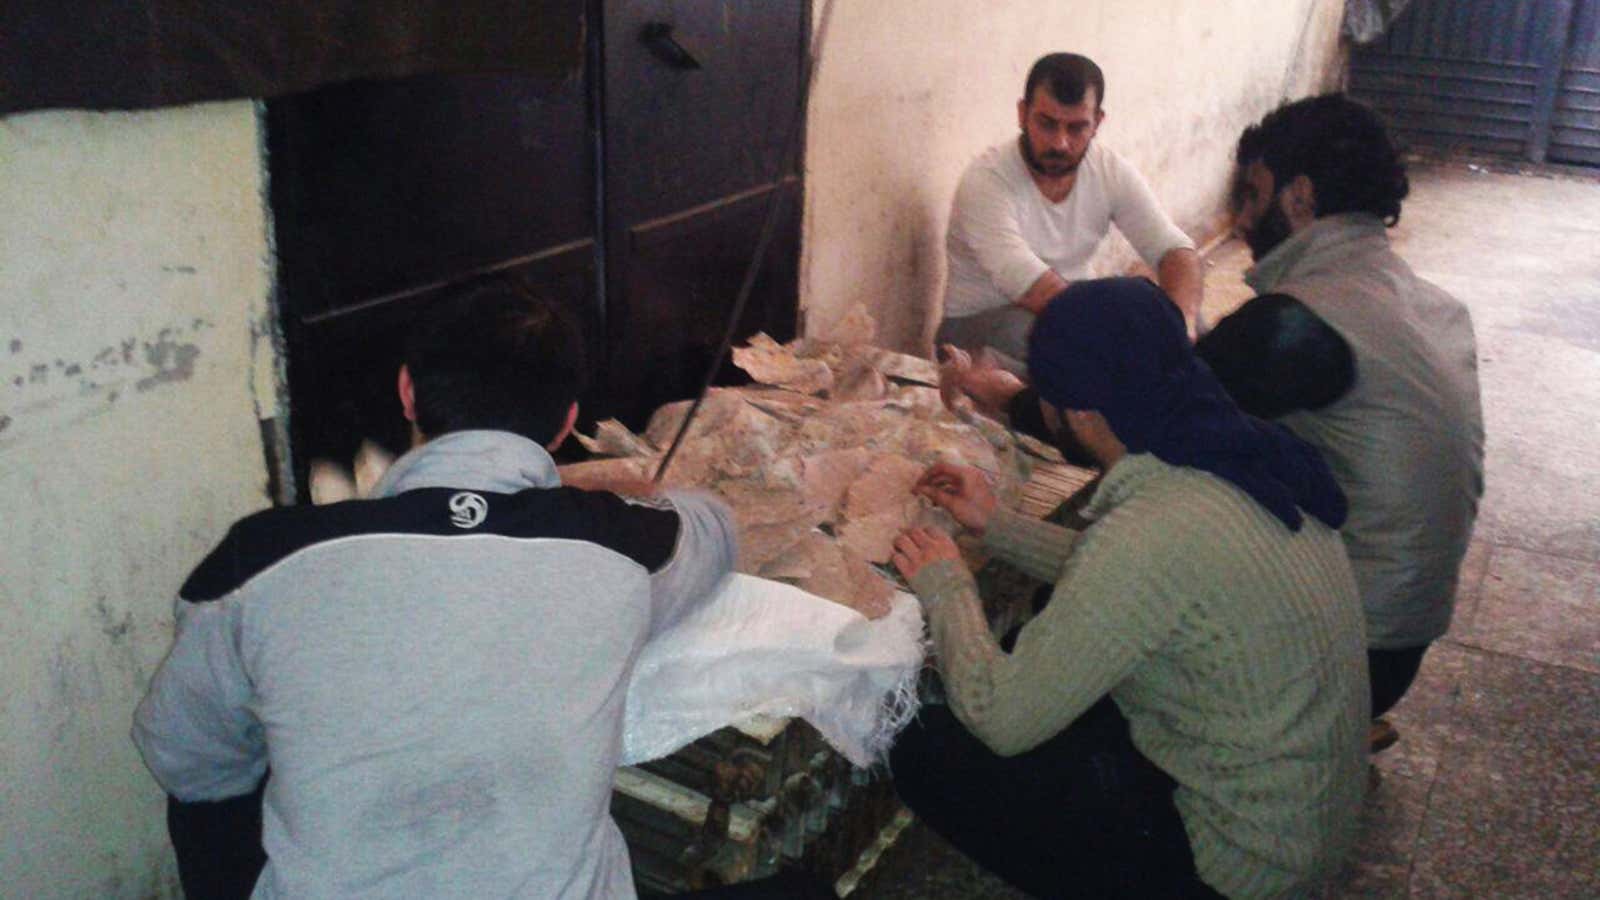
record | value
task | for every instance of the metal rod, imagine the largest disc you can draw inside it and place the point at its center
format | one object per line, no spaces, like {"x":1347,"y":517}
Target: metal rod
{"x":768,"y":227}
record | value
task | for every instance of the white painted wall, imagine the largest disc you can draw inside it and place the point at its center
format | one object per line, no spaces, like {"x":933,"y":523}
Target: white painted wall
{"x":910,"y":91}
{"x":133,"y":280}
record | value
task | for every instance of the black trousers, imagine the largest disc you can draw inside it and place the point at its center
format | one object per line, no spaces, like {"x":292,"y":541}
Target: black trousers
{"x":218,"y":845}
{"x":1082,"y":815}
{"x":1391,"y":673}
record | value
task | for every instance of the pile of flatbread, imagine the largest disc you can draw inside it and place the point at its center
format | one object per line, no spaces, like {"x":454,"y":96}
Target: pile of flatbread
{"x":816,"y":460}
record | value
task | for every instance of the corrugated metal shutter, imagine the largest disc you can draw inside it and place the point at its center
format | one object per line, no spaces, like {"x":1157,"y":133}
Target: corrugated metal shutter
{"x":1575,"y":127}
{"x":1508,"y":77}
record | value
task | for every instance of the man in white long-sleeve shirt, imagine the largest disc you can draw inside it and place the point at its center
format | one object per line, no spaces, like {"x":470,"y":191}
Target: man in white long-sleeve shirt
{"x":1029,"y":214}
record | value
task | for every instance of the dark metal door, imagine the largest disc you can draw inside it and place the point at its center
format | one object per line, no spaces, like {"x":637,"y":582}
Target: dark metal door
{"x":700,"y":97}
{"x":1508,"y":77}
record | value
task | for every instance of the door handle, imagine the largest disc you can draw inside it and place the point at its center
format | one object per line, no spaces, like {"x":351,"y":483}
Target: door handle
{"x":658,"y":37}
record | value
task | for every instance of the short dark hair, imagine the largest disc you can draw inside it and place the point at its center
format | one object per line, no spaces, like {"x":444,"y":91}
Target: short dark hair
{"x":1341,"y":145}
{"x":1068,"y":75}
{"x":492,"y":354}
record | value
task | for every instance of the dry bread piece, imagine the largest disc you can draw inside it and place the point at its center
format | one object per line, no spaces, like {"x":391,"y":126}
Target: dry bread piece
{"x":876,"y":424}
{"x":859,"y":381}
{"x":826,"y":476}
{"x":873,"y":536}
{"x":330,"y":482}
{"x":843,"y":576}
{"x":885,"y":486}
{"x":818,"y":463}
{"x":770,"y":362}
{"x":721,"y":404}
{"x":752,"y":440}
{"x":753,"y":505}
{"x":760,"y":545}
{"x":944,"y":442}
{"x":729,"y":439}
{"x":612,"y":438}
{"x":807,"y":555}
{"x":785,"y":406}
{"x":919,"y":400}
{"x":372,"y":461}
{"x":697,"y":465}
{"x":898,"y":366}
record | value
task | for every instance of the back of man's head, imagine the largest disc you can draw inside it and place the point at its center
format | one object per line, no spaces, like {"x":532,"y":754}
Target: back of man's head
{"x":1067,"y":76}
{"x":493,"y":355}
{"x":1341,"y":145}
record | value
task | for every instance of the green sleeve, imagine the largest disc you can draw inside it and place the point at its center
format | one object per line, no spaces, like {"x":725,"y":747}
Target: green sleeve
{"x":1106,"y":616}
{"x":1038,"y":548}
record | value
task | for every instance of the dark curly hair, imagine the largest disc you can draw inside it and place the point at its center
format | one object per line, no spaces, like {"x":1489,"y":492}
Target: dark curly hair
{"x":1341,"y":145}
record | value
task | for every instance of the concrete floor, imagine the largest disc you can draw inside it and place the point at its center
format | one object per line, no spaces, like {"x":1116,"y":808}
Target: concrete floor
{"x":1494,"y":788}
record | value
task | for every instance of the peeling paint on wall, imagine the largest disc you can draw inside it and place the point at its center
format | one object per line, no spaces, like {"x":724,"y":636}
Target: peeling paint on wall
{"x":123,"y":638}
{"x":147,"y":363}
{"x":75,"y":690}
{"x":171,"y":360}
{"x":112,"y":627}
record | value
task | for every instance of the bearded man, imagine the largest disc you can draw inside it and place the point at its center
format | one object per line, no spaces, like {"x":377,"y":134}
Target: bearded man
{"x":1374,"y":366}
{"x":1030,"y":212}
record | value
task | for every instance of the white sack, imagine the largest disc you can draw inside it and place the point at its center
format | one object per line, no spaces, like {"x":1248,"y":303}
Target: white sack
{"x":763,"y":648}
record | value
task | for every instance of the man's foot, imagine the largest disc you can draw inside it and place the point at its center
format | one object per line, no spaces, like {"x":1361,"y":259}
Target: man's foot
{"x":976,"y":381}
{"x":954,"y":364}
{"x":1381,"y":735}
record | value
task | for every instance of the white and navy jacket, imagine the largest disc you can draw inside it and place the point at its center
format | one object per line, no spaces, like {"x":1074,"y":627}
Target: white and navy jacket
{"x":436,"y":677}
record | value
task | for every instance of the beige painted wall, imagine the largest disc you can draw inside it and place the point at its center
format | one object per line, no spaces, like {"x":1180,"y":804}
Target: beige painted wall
{"x":133,"y":281}
{"x":910,"y":91}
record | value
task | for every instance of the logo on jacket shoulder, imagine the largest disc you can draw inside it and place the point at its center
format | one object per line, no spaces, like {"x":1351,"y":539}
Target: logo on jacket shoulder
{"x":468,"y":510}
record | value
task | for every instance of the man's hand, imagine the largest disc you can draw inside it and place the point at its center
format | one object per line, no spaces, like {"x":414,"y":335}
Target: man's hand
{"x":916,"y":547}
{"x":962,"y":490}
{"x":988,"y":387}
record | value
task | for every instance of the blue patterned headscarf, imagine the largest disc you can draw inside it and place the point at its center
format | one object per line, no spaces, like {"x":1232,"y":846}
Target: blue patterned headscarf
{"x":1118,"y":346}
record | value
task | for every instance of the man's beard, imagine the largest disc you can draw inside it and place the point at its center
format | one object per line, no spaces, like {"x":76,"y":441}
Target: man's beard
{"x":1269,"y":231}
{"x":1073,"y":450}
{"x":1051,"y":165}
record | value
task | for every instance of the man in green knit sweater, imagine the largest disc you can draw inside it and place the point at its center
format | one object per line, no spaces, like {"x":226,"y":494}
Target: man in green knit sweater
{"x":1187,"y":714}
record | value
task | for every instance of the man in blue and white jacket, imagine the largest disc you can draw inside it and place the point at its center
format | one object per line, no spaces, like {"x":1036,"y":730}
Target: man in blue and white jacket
{"x":436,"y":676}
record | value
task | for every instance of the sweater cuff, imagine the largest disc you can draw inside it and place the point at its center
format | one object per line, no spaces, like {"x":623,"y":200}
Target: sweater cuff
{"x":940,"y":580}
